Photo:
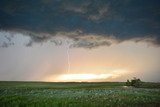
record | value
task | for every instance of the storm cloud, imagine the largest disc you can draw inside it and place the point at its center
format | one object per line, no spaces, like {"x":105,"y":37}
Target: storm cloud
{"x":89,"y":23}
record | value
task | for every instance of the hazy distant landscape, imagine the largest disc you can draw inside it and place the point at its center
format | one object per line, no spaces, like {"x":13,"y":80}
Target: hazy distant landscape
{"x":74,"y":94}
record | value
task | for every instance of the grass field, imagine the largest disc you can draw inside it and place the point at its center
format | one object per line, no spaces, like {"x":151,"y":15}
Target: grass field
{"x":104,"y":94}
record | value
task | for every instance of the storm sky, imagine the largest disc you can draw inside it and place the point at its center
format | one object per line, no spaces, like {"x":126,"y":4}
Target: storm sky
{"x":79,"y":40}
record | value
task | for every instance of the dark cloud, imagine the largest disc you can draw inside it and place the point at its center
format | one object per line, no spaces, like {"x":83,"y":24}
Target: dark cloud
{"x":8,"y":38}
{"x":57,"y":42}
{"x":30,"y":43}
{"x":41,"y":19}
{"x":6,"y":45}
{"x":92,"y":41}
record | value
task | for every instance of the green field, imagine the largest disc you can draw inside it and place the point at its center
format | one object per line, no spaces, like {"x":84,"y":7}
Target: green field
{"x":104,"y":94}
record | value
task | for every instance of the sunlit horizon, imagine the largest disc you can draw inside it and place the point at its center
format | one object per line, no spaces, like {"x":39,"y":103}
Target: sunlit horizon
{"x":85,"y":77}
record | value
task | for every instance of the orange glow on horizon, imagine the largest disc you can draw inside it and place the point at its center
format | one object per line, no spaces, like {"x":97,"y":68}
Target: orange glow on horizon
{"x":88,"y":77}
{"x":82,"y":77}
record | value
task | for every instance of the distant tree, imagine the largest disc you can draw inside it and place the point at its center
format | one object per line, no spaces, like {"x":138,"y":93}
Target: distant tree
{"x":128,"y":83}
{"x":135,"y":82}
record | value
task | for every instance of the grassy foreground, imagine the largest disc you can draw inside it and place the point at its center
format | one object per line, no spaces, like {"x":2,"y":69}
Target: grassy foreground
{"x":104,"y":94}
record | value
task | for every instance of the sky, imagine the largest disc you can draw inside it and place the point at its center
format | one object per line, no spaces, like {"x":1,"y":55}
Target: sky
{"x":79,"y":40}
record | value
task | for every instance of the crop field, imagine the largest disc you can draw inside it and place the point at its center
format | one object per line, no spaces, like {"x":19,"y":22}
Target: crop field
{"x":104,"y":94}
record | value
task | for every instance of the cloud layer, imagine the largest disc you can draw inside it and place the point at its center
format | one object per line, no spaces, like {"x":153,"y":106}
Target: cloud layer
{"x":41,"y":20}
